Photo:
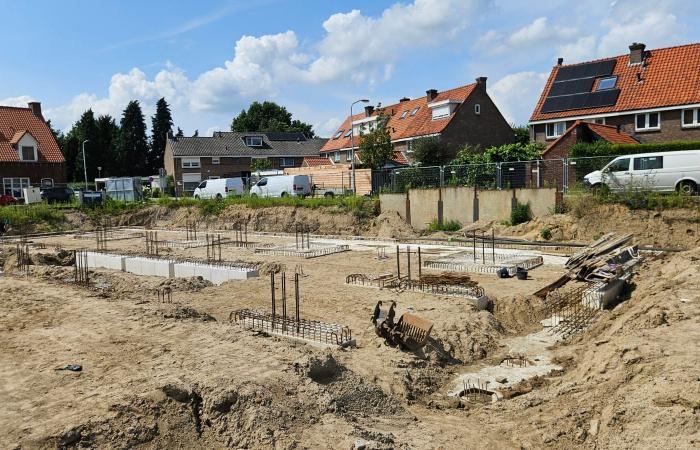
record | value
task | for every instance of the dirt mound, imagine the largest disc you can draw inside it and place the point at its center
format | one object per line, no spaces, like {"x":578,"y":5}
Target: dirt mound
{"x":60,"y":258}
{"x":390,"y":225}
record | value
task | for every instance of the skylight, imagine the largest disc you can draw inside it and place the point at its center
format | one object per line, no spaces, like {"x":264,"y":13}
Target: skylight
{"x":607,"y":83}
{"x":338,"y":134}
{"x":404,"y":114}
{"x":413,"y":113}
{"x":348,"y":133}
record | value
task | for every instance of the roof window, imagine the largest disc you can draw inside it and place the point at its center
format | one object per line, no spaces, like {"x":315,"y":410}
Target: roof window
{"x":404,"y":114}
{"x":413,"y":113}
{"x":348,"y":133}
{"x":607,"y":83}
{"x":338,"y":134}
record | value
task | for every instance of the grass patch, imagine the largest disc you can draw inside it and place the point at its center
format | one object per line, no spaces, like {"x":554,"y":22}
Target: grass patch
{"x":22,"y":215}
{"x":449,"y":225}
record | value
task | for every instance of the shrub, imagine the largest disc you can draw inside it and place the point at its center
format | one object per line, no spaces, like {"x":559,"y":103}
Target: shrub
{"x":546,"y":234}
{"x":521,"y":213}
{"x":449,"y":225}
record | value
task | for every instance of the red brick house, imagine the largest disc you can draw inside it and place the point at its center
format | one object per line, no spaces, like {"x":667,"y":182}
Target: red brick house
{"x":229,"y":154}
{"x":29,"y":154}
{"x":654,"y":95}
{"x":551,"y":169}
{"x":460,"y":116}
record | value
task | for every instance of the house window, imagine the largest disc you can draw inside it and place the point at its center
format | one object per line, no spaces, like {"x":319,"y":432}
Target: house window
{"x":441,"y":112}
{"x":413,"y":113}
{"x":215,"y":160}
{"x":236,"y":160}
{"x":607,"y":83}
{"x":648,"y":121}
{"x":336,"y":157}
{"x":403,"y":114}
{"x":190,"y":163}
{"x":286,"y":162}
{"x":13,"y":186}
{"x":348,"y":155}
{"x":253,"y":141}
{"x":338,"y":134}
{"x":477,"y":109}
{"x":28,"y":153}
{"x":690,"y":118}
{"x":554,"y":130}
{"x":409,"y":146}
{"x":190,"y":181}
{"x":348,"y":133}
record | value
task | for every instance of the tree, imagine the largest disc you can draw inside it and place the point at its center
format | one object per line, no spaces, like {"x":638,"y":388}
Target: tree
{"x":269,"y":117}
{"x":133,"y":142}
{"x":522,"y":134}
{"x":161,"y":125}
{"x":431,"y":151}
{"x":504,"y":153}
{"x":85,"y":130}
{"x":376,"y":147}
{"x":260,"y":164}
{"x":179,"y":133}
{"x":107,"y":138}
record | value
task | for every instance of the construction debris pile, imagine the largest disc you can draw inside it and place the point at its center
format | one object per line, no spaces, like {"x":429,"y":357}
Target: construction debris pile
{"x":410,"y":331}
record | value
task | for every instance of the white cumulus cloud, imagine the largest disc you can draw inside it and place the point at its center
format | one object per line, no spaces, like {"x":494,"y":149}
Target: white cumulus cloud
{"x":516,"y":95}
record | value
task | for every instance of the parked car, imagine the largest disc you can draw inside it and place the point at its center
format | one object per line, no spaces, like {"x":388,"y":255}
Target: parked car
{"x":661,"y":171}
{"x":57,"y":194}
{"x":219,"y":188}
{"x":282,"y":186}
{"x":8,"y":200}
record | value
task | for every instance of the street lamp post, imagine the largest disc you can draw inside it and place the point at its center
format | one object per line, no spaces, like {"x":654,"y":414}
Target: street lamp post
{"x":99,"y":172}
{"x":84,"y":166}
{"x":352,"y":147}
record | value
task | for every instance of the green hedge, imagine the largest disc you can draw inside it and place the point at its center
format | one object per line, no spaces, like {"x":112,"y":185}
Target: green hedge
{"x":603,"y":148}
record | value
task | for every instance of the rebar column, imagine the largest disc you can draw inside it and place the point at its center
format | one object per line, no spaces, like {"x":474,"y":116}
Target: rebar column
{"x":483,"y":247}
{"x":419,"y":265}
{"x":398,"y":264}
{"x":493,"y":245}
{"x":296,"y":297}
{"x":272,"y":289}
{"x":408,"y":252}
{"x":284,"y":297}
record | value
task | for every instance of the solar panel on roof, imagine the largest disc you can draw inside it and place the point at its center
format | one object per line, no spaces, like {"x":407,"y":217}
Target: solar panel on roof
{"x":563,"y":74}
{"x":563,"y":103}
{"x":577,"y":71}
{"x":606,"y":67}
{"x":608,"y":97}
{"x":549,"y":104}
{"x":556,"y":89}
{"x":577,"y":101}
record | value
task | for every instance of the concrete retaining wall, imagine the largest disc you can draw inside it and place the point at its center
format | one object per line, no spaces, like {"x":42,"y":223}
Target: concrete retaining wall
{"x":168,"y":269}
{"x":393,"y":202}
{"x":458,"y":204}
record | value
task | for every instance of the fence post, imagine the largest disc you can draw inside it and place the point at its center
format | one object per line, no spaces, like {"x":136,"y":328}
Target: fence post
{"x":442,"y":176}
{"x":565,"y":175}
{"x":498,"y":176}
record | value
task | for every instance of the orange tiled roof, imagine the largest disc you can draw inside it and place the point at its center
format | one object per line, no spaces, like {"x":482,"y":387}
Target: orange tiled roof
{"x":14,"y":123}
{"x":400,"y":158}
{"x":671,"y":77}
{"x":610,"y":133}
{"x":317,"y":161}
{"x":419,"y":125}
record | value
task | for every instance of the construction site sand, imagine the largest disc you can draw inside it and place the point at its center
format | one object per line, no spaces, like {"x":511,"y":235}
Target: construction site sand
{"x":162,"y":375}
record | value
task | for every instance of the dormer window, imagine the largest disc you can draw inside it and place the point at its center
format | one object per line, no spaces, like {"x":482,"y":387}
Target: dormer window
{"x":27,"y":153}
{"x":253,"y":141}
{"x":443,"y":108}
{"x":338,"y":134}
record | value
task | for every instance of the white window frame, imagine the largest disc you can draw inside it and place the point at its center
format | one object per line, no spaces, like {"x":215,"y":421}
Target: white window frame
{"x":646,"y":122}
{"x":250,"y":141}
{"x":214,"y":177}
{"x":8,"y":184}
{"x":477,"y":109}
{"x":215,"y":160}
{"x":190,"y":163}
{"x":696,"y":118}
{"x":348,"y":155}
{"x":558,"y":128}
{"x":283,"y":162}
{"x":336,"y":157}
{"x":29,"y":147}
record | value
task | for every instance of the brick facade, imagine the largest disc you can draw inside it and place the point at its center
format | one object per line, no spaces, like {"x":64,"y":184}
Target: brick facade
{"x":35,"y":172}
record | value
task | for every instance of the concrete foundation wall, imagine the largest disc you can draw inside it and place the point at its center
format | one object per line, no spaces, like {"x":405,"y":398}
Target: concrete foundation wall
{"x":458,"y":204}
{"x":541,"y":200}
{"x":424,"y":206}
{"x":168,"y":269}
{"x":393,"y":202}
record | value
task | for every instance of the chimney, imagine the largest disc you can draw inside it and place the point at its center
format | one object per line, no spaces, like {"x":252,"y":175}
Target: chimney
{"x":637,"y":53}
{"x":35,"y":108}
{"x":169,"y":135}
{"x":432,"y":94}
{"x":405,"y":99}
{"x":369,"y":110}
{"x":560,"y":61}
{"x":481,"y":83}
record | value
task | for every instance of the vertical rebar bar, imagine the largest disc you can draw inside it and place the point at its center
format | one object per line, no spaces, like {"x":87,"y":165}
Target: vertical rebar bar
{"x":296,"y":297}
{"x":483,"y":247}
{"x":272,"y":289}
{"x":398,"y":264}
{"x":408,"y":253}
{"x":419,"y":265}
{"x":493,"y":244}
{"x":284,"y":296}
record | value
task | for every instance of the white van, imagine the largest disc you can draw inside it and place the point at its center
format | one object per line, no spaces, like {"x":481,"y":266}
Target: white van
{"x":662,"y":171}
{"x":282,"y":186}
{"x":219,"y":188}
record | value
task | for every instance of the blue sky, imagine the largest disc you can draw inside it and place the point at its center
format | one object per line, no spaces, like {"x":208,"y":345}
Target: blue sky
{"x":211,"y":59}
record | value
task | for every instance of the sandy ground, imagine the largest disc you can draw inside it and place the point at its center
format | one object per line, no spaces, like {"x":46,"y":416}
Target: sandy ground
{"x":159,"y":375}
